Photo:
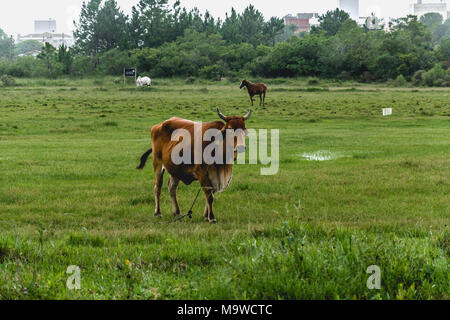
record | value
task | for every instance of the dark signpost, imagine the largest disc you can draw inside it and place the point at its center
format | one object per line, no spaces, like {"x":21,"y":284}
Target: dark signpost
{"x":130,"y":73}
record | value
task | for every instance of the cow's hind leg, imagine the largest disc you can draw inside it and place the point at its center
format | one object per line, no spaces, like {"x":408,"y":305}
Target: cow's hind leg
{"x":173,"y":186}
{"x":206,"y":213}
{"x":209,"y":195}
{"x":159,"y":179}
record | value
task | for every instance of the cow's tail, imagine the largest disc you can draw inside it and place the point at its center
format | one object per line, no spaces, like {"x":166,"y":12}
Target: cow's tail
{"x":144,"y":159}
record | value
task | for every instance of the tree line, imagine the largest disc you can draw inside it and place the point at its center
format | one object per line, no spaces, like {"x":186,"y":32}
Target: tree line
{"x":171,"y":41}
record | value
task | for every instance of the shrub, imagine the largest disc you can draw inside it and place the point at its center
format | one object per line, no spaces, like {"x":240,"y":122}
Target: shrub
{"x":344,"y":76}
{"x":8,"y":81}
{"x":418,"y":77}
{"x":313,"y":82}
{"x":436,"y":76}
{"x":368,"y":77}
{"x":400,"y":81}
{"x":190,"y":80}
{"x":212,"y":72}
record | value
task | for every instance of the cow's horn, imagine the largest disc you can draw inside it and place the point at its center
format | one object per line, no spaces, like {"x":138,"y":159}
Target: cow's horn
{"x":221,"y":115}
{"x":248,"y":114}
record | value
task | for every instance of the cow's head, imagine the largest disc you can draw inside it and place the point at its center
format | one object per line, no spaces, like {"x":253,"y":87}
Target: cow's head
{"x":237,"y":124}
{"x":244,"y":83}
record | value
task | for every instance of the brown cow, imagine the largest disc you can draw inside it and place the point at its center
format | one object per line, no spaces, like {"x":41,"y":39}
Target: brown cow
{"x":255,"y":89}
{"x":212,"y":177}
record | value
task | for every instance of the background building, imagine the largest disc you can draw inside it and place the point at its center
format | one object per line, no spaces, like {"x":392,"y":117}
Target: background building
{"x":351,"y":7}
{"x":45,"y":31}
{"x":303,"y":21}
{"x":45,"y":26}
{"x":423,"y":6}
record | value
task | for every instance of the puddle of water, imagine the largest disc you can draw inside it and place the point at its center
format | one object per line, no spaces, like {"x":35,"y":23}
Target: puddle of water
{"x":323,"y":155}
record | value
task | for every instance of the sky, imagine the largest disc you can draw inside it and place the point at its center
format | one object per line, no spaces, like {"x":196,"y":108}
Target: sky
{"x":18,"y":16}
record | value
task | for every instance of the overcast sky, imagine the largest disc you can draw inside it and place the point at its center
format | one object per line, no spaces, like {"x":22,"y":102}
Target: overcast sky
{"x":17,"y":16}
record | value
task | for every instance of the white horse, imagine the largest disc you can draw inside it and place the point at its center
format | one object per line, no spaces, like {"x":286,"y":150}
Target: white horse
{"x":145,"y":81}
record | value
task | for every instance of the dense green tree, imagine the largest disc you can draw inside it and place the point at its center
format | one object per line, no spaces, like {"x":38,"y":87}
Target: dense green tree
{"x":154,"y":20}
{"x":431,"y":20}
{"x":331,"y":22}
{"x":273,"y":28}
{"x":64,"y":56}
{"x":251,"y":25}
{"x":100,"y":28}
{"x":27,"y":46}
{"x":443,"y":51}
{"x":49,"y":56}
{"x":6,"y":46}
{"x":230,"y":28}
{"x":112,"y":26}
{"x":441,"y":31}
{"x":353,"y":45}
{"x":114,"y":61}
{"x":289,"y":31}
{"x":86,"y":32}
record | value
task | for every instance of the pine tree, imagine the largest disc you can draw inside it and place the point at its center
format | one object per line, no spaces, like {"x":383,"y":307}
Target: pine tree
{"x":100,"y":28}
{"x":6,"y":46}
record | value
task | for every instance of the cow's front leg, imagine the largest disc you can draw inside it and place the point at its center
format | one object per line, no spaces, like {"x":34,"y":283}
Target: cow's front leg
{"x":173,"y":186}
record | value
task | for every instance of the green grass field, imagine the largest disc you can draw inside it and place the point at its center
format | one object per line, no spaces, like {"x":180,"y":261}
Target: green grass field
{"x":70,"y":195}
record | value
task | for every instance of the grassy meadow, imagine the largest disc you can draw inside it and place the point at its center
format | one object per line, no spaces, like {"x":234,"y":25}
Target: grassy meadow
{"x":70,"y":194}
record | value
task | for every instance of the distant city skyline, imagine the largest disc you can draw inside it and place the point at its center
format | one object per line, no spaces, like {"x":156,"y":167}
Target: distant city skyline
{"x":19,"y":16}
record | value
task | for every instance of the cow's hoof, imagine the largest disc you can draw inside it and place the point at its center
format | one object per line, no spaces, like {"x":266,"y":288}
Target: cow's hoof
{"x":158,"y":214}
{"x":213,"y":221}
{"x":176,"y":214}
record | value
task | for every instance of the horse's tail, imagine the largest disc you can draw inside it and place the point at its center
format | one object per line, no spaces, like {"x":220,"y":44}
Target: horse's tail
{"x":144,"y":159}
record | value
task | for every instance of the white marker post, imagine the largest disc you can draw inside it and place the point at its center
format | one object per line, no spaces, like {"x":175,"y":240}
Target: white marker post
{"x":387,"y":112}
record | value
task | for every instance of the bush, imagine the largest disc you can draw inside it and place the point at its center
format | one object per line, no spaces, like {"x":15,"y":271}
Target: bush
{"x":8,"y":81}
{"x":211,"y":72}
{"x":344,"y":76}
{"x":367,"y":77}
{"x":436,"y":76}
{"x":418,"y":77}
{"x":190,"y":80}
{"x":440,"y":83}
{"x":400,"y":81}
{"x":313,"y":82}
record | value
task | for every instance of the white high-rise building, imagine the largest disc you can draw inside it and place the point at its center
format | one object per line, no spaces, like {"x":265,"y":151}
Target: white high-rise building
{"x":351,"y":7}
{"x":43,"y":26}
{"x":429,"y":6}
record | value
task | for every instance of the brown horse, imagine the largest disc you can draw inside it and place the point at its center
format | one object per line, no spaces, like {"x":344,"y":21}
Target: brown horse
{"x":255,"y":89}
